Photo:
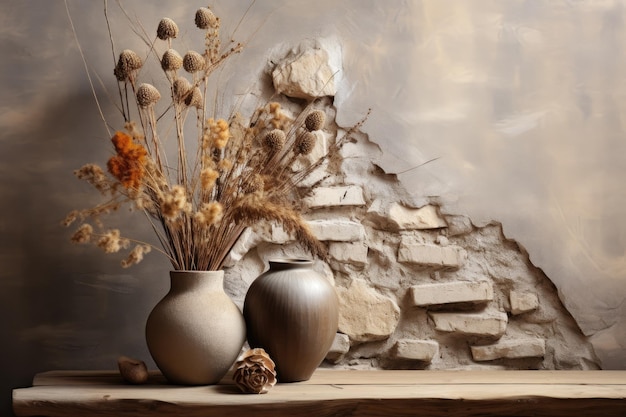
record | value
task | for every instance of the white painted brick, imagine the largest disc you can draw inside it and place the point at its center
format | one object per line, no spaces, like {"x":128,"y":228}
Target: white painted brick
{"x":350,"y":252}
{"x":350,"y":195}
{"x":491,"y":324}
{"x":337,"y":230}
{"x":523,"y":302}
{"x":340,"y":346}
{"x":431,"y":255}
{"x":510,"y":349}
{"x":451,"y":292}
{"x":423,"y":218}
{"x":421,"y":350}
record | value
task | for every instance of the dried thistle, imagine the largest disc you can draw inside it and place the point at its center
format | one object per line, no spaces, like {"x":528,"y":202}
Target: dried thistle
{"x":171,"y":60}
{"x":193,"y":62}
{"x":167,"y":29}
{"x":315,"y":120}
{"x":305,"y":143}
{"x":147,"y":95}
{"x":205,"y":18}
{"x":127,"y":64}
{"x":274,"y":140}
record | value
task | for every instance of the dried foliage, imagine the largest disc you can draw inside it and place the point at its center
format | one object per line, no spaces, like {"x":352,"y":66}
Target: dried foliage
{"x":242,"y":171}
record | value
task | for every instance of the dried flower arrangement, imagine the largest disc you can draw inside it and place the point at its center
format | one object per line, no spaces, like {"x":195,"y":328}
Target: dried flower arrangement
{"x":244,"y":170}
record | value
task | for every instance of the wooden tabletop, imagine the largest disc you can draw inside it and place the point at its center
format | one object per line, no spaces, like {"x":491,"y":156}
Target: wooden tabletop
{"x":334,"y":393}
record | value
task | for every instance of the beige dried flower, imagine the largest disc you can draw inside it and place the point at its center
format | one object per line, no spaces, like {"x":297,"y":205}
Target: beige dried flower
{"x":181,"y":89}
{"x":112,"y":242}
{"x":193,"y":62}
{"x":95,"y":176}
{"x":136,"y":255}
{"x":274,"y":140}
{"x":167,"y":29}
{"x":83,"y":234}
{"x":255,"y":373}
{"x":209,"y":213}
{"x":305,"y":143}
{"x":174,"y":202}
{"x":315,"y":120}
{"x":205,"y":19}
{"x":208,"y":176}
{"x":147,"y":95}
{"x":194,"y":99}
{"x":171,"y":60}
{"x":128,"y":62}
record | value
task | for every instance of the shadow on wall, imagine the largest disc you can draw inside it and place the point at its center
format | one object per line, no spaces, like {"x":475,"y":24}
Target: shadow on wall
{"x":65,"y":306}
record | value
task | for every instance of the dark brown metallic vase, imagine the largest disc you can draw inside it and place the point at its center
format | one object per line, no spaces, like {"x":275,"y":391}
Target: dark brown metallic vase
{"x":292,"y":312}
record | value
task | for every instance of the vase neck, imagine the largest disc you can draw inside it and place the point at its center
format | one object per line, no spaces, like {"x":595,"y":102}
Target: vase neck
{"x":196,"y":280}
{"x":282,"y":264}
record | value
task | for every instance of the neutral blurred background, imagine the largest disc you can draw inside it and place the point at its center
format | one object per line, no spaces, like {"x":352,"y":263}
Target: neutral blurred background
{"x":521,"y":102}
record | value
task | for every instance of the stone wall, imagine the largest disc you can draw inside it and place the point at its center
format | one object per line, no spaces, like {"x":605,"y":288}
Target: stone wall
{"x":418,"y":287}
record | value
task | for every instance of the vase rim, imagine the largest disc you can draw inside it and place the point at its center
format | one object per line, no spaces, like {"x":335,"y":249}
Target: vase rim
{"x":195,"y":271}
{"x":291,"y":261}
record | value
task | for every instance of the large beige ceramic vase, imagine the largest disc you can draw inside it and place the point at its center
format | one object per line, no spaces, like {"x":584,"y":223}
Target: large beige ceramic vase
{"x":292,"y":312}
{"x":196,"y":332}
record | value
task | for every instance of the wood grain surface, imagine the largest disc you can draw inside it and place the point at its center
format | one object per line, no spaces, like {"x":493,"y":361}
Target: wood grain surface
{"x":335,"y":393}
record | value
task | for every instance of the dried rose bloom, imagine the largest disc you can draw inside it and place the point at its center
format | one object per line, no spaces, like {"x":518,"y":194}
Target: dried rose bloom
{"x":205,"y":18}
{"x":171,"y":60}
{"x":255,"y":373}
{"x":147,"y":95}
{"x":193,"y":62}
{"x":315,"y":120}
{"x":167,"y":29}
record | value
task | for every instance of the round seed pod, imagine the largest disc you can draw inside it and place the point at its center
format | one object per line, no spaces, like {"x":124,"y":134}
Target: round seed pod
{"x":194,"y":99}
{"x":205,"y":18}
{"x":167,"y":29}
{"x":147,"y":95}
{"x":315,"y":120}
{"x":193,"y":62}
{"x":127,"y":62}
{"x":181,"y":88}
{"x":171,"y":60}
{"x":305,"y":143}
{"x":274,"y":140}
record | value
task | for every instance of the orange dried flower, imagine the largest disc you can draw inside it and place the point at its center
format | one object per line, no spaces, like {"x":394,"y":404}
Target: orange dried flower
{"x":128,"y":166}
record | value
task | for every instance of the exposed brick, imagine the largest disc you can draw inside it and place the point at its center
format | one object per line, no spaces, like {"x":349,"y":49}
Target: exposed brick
{"x":422,"y":218}
{"x":364,"y":314}
{"x":523,"y":302}
{"x":420,"y":350}
{"x":337,"y":230}
{"x":431,"y":255}
{"x":350,"y":252}
{"x":510,"y":349}
{"x":488,"y":323}
{"x":451,"y":292}
{"x":350,"y":195}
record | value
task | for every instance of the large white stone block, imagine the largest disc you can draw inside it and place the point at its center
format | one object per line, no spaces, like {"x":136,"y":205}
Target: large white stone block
{"x":337,"y":230}
{"x":350,"y":195}
{"x":420,"y":350}
{"x":431,"y":255}
{"x":307,"y":74}
{"x":451,"y":292}
{"x":523,"y":302}
{"x":488,"y":323}
{"x":510,"y":349}
{"x":350,"y":252}
{"x":364,"y":314}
